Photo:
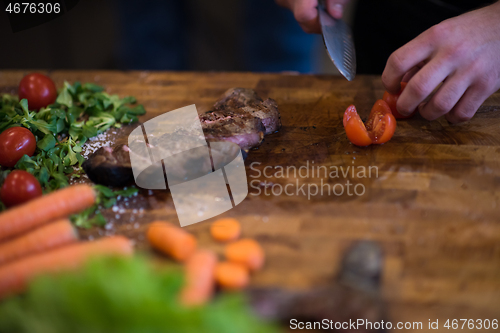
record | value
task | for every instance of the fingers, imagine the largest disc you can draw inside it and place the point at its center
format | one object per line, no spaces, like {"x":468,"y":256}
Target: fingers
{"x":336,"y":7}
{"x":306,"y":13}
{"x":446,"y":98}
{"x":461,"y":52}
{"x":411,"y":73}
{"x":421,"y":85}
{"x":468,"y":105}
{"x":403,"y":60}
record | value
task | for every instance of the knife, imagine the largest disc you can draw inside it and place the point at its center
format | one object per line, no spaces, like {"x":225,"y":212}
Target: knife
{"x":337,"y":37}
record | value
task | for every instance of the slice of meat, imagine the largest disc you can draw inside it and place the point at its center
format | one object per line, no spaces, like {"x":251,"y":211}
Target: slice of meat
{"x":233,"y":125}
{"x":248,"y":101}
{"x":240,"y":117}
{"x":110,"y":167}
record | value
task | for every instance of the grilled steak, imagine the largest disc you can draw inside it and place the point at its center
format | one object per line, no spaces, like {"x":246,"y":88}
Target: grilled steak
{"x":233,"y":125}
{"x":112,"y":167}
{"x":248,"y":101}
{"x":108,"y":166}
{"x":240,"y":116}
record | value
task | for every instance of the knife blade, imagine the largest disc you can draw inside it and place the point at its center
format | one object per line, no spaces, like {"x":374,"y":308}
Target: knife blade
{"x":337,"y":37}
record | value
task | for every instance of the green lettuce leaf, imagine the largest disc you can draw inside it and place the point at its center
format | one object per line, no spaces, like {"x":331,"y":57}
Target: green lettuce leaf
{"x":123,"y":295}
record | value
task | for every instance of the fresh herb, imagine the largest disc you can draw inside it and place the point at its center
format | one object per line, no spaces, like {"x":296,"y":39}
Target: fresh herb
{"x":122,"y":295}
{"x":106,"y":198}
{"x":79,"y":113}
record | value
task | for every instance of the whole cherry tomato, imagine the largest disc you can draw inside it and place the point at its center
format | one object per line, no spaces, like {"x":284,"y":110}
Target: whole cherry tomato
{"x":378,"y":129}
{"x":38,"y":89}
{"x":392,"y":100}
{"x":19,"y":187}
{"x":14,"y":143}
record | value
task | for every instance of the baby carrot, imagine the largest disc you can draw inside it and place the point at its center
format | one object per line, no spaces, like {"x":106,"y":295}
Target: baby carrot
{"x":47,"y":208}
{"x":15,"y":275}
{"x":171,"y":240}
{"x":224,"y":230}
{"x":200,"y":282}
{"x":231,"y":276}
{"x":41,"y":239}
{"x":247,"y":252}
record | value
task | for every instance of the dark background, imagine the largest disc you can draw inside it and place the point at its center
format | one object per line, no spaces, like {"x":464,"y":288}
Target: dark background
{"x":164,"y":34}
{"x":220,"y":35}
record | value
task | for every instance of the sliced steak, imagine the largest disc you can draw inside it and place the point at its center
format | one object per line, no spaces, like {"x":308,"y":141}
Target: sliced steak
{"x":240,"y":117}
{"x":233,"y":125}
{"x":110,"y":167}
{"x":247,"y":100}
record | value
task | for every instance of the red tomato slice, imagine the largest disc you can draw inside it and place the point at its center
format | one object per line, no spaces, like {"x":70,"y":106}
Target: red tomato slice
{"x":355,"y":129}
{"x":384,"y":130}
{"x":392,"y":100}
{"x":379,"y":110}
{"x":380,"y":126}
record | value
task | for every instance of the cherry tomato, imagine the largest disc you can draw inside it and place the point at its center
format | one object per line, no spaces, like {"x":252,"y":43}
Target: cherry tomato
{"x":381,"y":123}
{"x":38,"y":89}
{"x":379,"y":128}
{"x":355,"y":129}
{"x":19,"y":187}
{"x":14,"y":143}
{"x":392,"y":100}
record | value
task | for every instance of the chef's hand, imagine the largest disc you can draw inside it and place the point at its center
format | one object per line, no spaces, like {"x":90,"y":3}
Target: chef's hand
{"x":306,"y":13}
{"x":462,"y":53}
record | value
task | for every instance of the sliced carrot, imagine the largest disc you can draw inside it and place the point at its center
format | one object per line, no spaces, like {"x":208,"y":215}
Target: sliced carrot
{"x":171,"y":240}
{"x":224,"y":230}
{"x":247,"y":252}
{"x":15,"y":276}
{"x":200,"y":282}
{"x":48,"y":208}
{"x":231,"y":276}
{"x":41,"y":239}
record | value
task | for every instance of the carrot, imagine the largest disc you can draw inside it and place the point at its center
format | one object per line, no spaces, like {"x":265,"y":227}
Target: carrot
{"x":231,"y":276}
{"x":171,"y":240}
{"x":15,"y":276}
{"x":224,"y":230}
{"x":47,"y":208}
{"x":200,"y":282}
{"x":41,"y":239}
{"x":247,"y":252}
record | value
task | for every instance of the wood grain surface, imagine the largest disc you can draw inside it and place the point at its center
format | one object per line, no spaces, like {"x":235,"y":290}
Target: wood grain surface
{"x":434,"y":207}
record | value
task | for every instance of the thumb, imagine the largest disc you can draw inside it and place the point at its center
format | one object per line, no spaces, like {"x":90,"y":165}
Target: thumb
{"x":336,"y":7}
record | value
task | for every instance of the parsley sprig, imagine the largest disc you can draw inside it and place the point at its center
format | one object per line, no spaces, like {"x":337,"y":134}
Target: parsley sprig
{"x":81,"y":111}
{"x":106,"y":198}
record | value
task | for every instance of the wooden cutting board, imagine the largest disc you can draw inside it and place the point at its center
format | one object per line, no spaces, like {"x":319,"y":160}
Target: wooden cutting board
{"x":434,"y":204}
